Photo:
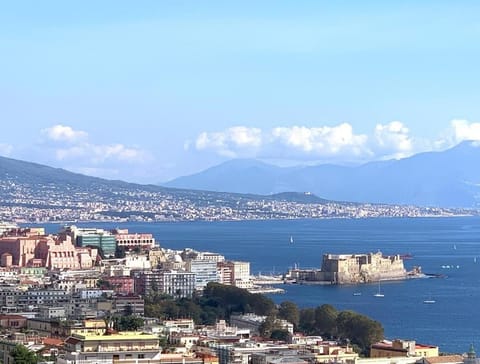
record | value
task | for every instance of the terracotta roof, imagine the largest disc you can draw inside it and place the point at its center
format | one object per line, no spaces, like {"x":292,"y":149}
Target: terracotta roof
{"x":444,"y":359}
{"x":72,"y":340}
{"x":14,"y":317}
{"x":52,"y":341}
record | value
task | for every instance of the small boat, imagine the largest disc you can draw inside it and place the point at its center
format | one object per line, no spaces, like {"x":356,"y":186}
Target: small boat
{"x":379,"y":293}
{"x":291,"y":239}
{"x":357,"y":293}
{"x":429,"y":300}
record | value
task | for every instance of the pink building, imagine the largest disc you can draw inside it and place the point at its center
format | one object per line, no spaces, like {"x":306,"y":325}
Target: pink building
{"x":18,"y":250}
{"x":27,"y":248}
{"x":62,"y":254}
{"x":121,"y":285}
{"x":130,"y":241}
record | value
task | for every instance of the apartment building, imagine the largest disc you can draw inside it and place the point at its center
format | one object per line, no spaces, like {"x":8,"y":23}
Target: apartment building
{"x":112,"y":347}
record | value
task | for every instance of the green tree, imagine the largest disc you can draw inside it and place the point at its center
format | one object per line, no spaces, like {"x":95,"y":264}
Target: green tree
{"x":326,"y":320}
{"x":281,"y":334}
{"x":307,"y":321}
{"x":359,"y":329}
{"x":289,"y":311}
{"x":21,"y":355}
{"x":128,"y":323}
{"x":268,"y":326}
{"x":344,"y":323}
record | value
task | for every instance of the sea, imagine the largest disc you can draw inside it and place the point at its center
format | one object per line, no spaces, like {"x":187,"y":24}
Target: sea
{"x":446,"y":246}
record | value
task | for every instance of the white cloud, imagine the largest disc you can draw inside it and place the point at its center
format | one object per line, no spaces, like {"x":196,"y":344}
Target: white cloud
{"x":75,"y":147}
{"x":464,"y":130}
{"x":98,"y":154}
{"x":231,"y":142}
{"x":321,"y":141}
{"x":392,"y":140}
{"x":63,"y":133}
{"x":338,"y":143}
{"x":5,"y":149}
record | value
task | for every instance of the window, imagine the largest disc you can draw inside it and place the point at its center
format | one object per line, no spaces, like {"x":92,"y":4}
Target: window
{"x":141,"y":356}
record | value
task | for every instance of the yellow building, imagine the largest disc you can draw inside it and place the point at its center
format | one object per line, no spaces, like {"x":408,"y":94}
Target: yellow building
{"x":112,"y":347}
{"x":388,"y":349}
{"x":332,"y":353}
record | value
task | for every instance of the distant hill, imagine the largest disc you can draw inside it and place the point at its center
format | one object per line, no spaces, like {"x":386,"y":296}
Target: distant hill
{"x":39,"y":178}
{"x":446,"y":179}
{"x":31,"y":192}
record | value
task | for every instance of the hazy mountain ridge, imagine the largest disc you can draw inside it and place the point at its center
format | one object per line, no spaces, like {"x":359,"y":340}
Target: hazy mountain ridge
{"x":31,"y":192}
{"x":38,"y":176}
{"x":447,"y":179}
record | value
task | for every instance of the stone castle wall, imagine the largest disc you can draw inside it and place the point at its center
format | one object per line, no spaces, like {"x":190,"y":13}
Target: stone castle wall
{"x":362,"y":268}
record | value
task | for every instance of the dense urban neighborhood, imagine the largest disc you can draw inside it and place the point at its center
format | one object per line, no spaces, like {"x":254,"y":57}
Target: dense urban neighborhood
{"x":87,"y":295}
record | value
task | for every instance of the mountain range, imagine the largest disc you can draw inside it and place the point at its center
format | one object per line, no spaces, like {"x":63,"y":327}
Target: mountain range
{"x":34,"y":192}
{"x":449,"y":178}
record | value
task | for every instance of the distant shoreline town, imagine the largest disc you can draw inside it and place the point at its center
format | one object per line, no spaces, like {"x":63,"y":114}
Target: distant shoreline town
{"x":49,"y":203}
{"x":33,"y":193}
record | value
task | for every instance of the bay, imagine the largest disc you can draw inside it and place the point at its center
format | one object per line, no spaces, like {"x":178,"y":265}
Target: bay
{"x":452,"y":323}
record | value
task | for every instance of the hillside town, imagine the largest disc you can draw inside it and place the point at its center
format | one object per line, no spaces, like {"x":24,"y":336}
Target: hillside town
{"x":30,"y":201}
{"x":63,"y":294}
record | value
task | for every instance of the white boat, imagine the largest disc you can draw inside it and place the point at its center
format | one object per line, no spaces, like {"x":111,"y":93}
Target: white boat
{"x":357,"y":293}
{"x":291,"y":239}
{"x":429,"y":300}
{"x":379,"y":293}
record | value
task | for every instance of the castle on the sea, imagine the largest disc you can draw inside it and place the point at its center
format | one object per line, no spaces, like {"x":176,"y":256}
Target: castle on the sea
{"x":352,"y":269}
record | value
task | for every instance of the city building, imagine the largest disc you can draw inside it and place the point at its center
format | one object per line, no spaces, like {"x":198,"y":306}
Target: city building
{"x":111,"y":347}
{"x":387,"y":349}
{"x":205,"y":271}
{"x":92,"y":237}
{"x":17,"y":247}
{"x":178,"y":325}
{"x":130,"y":241}
{"x":128,"y":304}
{"x":7,"y":226}
{"x":247,"y":321}
{"x":120,"y":285}
{"x":235,"y":273}
{"x":174,"y":283}
{"x":13,"y":321}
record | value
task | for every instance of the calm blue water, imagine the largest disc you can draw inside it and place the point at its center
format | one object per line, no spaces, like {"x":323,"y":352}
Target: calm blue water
{"x":453,"y":322}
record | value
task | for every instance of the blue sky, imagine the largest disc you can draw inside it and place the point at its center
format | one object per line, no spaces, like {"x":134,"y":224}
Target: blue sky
{"x":150,"y":90}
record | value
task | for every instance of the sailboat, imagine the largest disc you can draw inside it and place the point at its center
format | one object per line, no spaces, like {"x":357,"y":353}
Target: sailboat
{"x":430,"y":300}
{"x":291,"y":239}
{"x":379,"y":293}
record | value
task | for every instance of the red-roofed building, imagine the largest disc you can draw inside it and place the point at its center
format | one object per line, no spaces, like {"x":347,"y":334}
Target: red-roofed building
{"x":13,"y":321}
{"x":402,"y":348}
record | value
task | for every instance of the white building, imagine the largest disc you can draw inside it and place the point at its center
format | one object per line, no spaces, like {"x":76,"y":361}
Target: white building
{"x":205,"y":272}
{"x":49,"y":312}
